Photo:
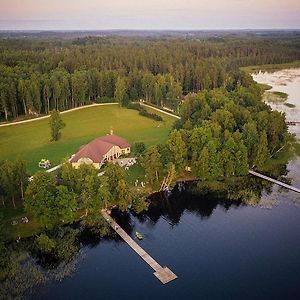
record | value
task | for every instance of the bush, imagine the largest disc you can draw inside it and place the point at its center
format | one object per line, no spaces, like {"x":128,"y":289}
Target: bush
{"x":139,"y":148}
{"x":44,"y":243}
{"x":105,"y":100}
{"x":143,"y":112}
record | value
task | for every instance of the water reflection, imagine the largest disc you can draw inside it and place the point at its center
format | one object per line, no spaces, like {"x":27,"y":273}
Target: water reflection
{"x":24,"y":266}
{"x":173,"y":207}
{"x":27,"y":268}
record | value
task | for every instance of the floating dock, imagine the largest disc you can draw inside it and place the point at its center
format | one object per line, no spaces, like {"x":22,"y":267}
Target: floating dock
{"x":163,"y":274}
{"x":287,"y":186}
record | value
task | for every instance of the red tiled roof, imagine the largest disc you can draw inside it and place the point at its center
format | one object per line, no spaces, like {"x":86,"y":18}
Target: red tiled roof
{"x":96,"y":149}
{"x":116,"y":140}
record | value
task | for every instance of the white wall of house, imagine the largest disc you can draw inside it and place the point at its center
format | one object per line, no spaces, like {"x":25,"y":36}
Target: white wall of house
{"x":125,"y":150}
{"x":113,"y":152}
{"x":87,"y":161}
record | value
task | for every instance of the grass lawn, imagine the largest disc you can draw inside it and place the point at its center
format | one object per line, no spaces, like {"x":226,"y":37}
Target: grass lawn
{"x":30,"y":141}
{"x":134,"y":173}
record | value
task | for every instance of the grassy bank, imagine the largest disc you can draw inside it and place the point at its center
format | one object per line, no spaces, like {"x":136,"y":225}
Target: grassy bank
{"x":31,"y":140}
{"x":264,"y":87}
{"x":275,"y":97}
{"x":290,"y":105}
{"x":272,"y":67}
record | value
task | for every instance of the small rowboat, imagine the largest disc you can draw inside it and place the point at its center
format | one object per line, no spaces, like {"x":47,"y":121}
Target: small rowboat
{"x":139,"y":235}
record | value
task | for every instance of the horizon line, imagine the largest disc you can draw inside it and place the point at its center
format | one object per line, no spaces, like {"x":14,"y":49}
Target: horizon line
{"x":157,"y":29}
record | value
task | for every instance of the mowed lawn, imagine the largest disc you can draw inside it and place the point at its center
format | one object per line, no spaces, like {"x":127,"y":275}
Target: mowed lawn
{"x":31,"y":141}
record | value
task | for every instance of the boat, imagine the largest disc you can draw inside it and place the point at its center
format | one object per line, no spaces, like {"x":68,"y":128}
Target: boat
{"x":139,"y":235}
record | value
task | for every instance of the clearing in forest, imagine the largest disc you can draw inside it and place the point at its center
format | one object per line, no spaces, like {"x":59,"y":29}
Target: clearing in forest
{"x":31,"y":141}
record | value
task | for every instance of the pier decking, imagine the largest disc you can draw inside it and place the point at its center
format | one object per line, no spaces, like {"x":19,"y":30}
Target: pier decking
{"x":274,"y":181}
{"x":163,"y":274}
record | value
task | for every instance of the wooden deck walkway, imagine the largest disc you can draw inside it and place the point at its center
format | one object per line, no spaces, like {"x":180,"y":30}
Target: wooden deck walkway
{"x":292,"y":122}
{"x":163,"y":274}
{"x":274,"y":181}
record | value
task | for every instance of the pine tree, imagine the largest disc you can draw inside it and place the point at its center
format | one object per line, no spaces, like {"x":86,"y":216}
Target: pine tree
{"x":21,"y":175}
{"x":201,"y":166}
{"x":241,"y":159}
{"x":178,"y":149}
{"x":152,"y":164}
{"x":263,"y":153}
{"x":123,"y":195}
{"x":215,"y":166}
{"x":120,"y":92}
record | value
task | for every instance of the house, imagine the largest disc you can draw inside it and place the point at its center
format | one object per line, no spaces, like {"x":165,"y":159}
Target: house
{"x":100,"y":150}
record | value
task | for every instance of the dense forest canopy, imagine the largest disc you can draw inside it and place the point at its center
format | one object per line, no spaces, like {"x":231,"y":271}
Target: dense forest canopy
{"x":225,"y":132}
{"x":38,"y":75}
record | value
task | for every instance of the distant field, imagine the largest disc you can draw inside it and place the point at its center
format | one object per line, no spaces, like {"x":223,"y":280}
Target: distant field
{"x":271,"y":67}
{"x":30,"y":141}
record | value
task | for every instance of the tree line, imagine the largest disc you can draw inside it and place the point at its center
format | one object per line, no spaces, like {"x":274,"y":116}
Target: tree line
{"x":76,"y":193}
{"x":13,"y":181}
{"x":37,"y":76}
{"x":221,"y":134}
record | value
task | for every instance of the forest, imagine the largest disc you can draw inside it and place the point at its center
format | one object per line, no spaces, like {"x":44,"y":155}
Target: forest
{"x":225,"y":128}
{"x":38,"y":75}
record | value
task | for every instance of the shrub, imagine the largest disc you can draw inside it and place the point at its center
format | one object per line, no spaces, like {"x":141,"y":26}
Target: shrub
{"x":143,"y":112}
{"x":44,"y":243}
{"x":139,"y":148}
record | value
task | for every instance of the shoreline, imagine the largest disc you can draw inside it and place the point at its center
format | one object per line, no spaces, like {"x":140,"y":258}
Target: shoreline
{"x":271,"y":68}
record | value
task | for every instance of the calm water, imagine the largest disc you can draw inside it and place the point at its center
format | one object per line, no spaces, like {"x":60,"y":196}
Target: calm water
{"x":287,"y":81}
{"x":219,"y":250}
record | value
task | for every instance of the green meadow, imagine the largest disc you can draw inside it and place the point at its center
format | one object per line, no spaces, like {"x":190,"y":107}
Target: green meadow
{"x":31,"y":141}
{"x":271,"y":67}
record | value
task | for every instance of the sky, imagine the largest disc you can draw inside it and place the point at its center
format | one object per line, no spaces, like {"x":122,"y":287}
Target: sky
{"x":148,"y":14}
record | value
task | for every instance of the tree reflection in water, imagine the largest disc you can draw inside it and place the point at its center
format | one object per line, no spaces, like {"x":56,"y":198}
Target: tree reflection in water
{"x":23,"y":266}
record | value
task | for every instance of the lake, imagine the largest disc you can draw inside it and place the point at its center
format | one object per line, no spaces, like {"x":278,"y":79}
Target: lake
{"x":218,"y":249}
{"x":287,"y":81}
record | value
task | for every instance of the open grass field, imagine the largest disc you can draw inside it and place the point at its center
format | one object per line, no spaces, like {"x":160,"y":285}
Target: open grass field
{"x":271,"y":67}
{"x":30,"y":141}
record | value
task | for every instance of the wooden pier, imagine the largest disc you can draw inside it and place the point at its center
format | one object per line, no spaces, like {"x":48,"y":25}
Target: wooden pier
{"x":293,"y":123}
{"x":274,"y":181}
{"x":163,"y":274}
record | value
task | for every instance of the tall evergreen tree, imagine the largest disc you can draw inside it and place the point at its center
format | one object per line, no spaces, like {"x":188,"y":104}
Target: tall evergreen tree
{"x":201,"y":165}
{"x":263,"y":153}
{"x":120,"y":92}
{"x":152,"y":164}
{"x":178,"y":149}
